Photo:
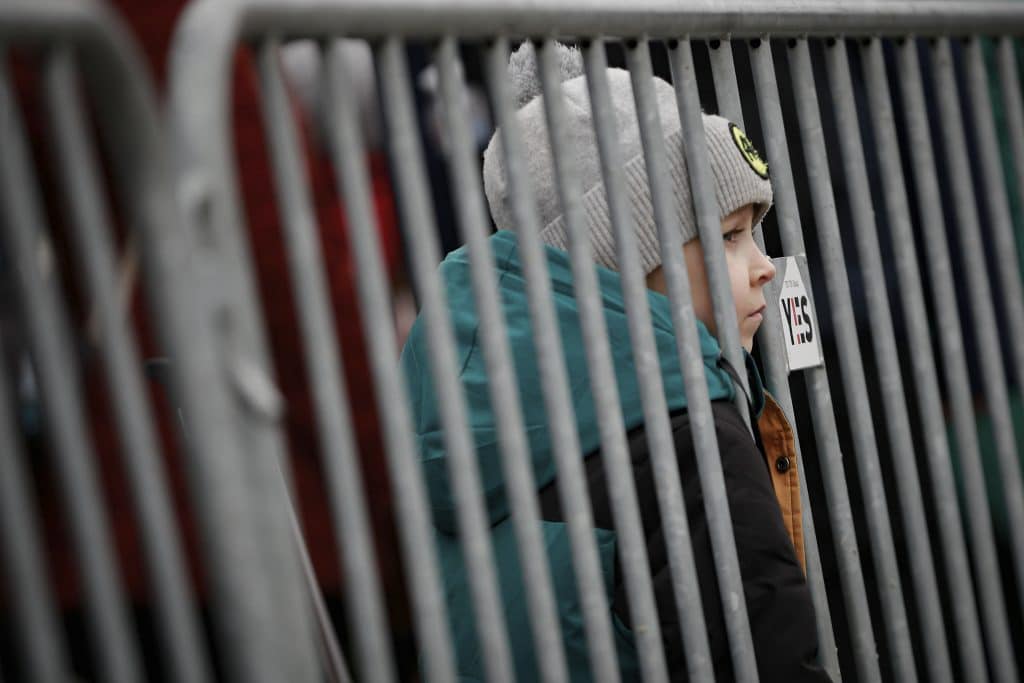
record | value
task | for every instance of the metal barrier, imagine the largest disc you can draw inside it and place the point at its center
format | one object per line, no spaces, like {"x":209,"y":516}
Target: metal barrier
{"x":933,"y":597}
{"x":249,"y":559}
{"x":84,"y":33}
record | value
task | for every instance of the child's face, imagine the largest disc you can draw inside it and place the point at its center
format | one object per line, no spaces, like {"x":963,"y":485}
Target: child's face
{"x":749,"y":271}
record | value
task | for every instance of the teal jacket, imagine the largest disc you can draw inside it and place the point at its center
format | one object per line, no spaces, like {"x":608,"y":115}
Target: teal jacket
{"x":455,"y":271}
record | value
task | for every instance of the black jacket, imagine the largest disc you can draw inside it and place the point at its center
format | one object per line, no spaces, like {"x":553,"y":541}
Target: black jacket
{"x":778,"y":600}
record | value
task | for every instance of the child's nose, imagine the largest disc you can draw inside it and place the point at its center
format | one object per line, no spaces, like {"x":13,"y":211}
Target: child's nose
{"x":763,"y":270}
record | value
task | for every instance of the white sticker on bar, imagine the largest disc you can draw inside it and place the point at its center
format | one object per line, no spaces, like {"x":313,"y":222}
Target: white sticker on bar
{"x":799,"y":324}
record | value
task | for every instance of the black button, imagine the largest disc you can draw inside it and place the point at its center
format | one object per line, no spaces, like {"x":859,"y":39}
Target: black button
{"x":782,"y":465}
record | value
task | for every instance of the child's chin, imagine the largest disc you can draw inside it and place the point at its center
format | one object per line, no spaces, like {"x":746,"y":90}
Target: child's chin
{"x":747,"y":341}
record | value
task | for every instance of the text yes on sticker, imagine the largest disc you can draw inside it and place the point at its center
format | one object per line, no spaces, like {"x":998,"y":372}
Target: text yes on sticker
{"x":799,"y":325}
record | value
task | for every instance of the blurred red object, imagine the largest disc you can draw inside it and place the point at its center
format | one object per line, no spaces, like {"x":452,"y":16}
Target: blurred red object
{"x":152,"y":24}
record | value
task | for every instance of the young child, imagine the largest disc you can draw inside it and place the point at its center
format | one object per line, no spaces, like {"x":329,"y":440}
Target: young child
{"x":761,"y":484}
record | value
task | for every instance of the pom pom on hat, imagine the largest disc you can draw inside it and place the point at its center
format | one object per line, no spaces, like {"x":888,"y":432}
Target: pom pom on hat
{"x":524,"y":71}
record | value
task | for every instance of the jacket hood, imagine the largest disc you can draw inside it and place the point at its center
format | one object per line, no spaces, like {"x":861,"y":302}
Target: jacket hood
{"x":455,"y":272}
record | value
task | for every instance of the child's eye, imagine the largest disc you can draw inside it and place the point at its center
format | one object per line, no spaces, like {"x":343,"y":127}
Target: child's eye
{"x":732,"y":235}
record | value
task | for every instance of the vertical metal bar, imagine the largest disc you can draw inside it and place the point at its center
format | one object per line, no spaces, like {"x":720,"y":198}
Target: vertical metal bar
{"x":335,"y":668}
{"x":709,"y":228}
{"x":723,"y":71}
{"x":1009,"y":80}
{"x":34,"y":624}
{"x":728,"y":99}
{"x":964,"y":607}
{"x":614,"y":450}
{"x":202,"y":291}
{"x":894,"y":399}
{"x":307,"y":274}
{"x":769,"y":340}
{"x":986,"y":563}
{"x":850,"y":364}
{"x":255,"y":415}
{"x":177,"y":621}
{"x":413,"y":514}
{"x":296,"y":600}
{"x":463,"y":470}
{"x":519,"y":476}
{"x":705,"y":442}
{"x":115,"y":649}
{"x":981,"y":299}
{"x":326,"y":377}
{"x":1009,"y":278}
{"x":829,"y":451}
{"x":220,"y":486}
{"x":224,"y":304}
{"x":551,"y":365}
{"x":1006,"y":249}
{"x":255,"y":412}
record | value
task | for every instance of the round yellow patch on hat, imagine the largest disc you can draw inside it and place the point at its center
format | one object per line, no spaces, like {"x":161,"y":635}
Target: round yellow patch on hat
{"x":749,"y":152}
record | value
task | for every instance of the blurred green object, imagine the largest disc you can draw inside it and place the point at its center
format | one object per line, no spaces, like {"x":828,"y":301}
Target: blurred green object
{"x":1005,"y":149}
{"x":990,"y":464}
{"x":986,"y":442}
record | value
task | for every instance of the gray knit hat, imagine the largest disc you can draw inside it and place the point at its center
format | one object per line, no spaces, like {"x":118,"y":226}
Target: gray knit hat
{"x":740,"y":175}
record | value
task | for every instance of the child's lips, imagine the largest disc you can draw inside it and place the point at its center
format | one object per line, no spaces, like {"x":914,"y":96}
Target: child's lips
{"x":758,"y":314}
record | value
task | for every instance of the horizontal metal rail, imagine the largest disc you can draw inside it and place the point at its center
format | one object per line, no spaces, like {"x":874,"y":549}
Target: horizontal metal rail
{"x":749,"y":18}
